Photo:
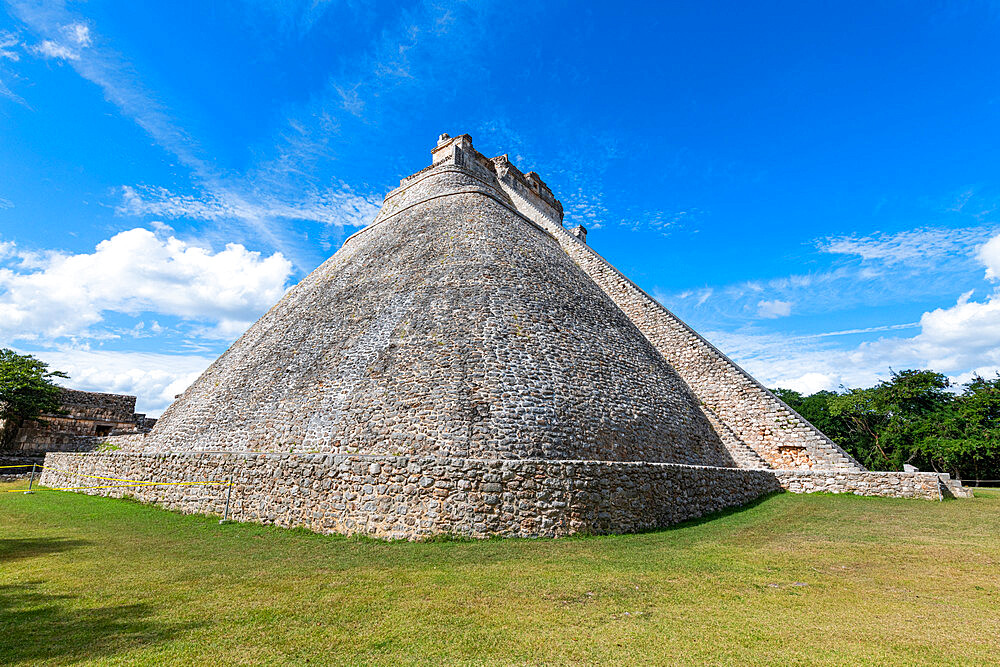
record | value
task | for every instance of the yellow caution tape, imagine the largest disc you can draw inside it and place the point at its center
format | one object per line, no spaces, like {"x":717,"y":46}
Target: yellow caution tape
{"x":116,"y":486}
{"x":110,"y":479}
{"x":118,"y":479}
{"x":30,"y":465}
{"x":132,"y":483}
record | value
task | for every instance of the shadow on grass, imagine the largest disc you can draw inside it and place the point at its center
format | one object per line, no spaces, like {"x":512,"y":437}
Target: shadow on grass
{"x":36,"y":626}
{"x":17,"y":548}
{"x":681,"y":525}
{"x":714,"y":516}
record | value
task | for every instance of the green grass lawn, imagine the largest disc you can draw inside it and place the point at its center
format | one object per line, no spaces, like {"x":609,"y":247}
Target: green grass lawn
{"x":792,"y":579}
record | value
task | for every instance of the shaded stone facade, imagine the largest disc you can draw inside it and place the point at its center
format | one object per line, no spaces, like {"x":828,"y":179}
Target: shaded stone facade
{"x":89,"y":418}
{"x":466,"y":364}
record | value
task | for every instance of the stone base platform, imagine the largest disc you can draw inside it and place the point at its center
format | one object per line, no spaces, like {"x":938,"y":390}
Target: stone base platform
{"x":400,"y":497}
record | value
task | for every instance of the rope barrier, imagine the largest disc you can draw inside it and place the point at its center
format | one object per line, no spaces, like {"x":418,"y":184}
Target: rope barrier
{"x":24,"y":466}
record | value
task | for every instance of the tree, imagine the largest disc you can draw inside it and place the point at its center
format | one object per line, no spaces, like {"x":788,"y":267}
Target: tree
{"x":26,"y":392}
{"x":965,"y":441}
{"x":912,"y":418}
{"x":887,"y":422}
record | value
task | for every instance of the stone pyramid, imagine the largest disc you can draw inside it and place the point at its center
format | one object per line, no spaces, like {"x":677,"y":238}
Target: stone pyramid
{"x":452,"y":326}
{"x":467,"y":364}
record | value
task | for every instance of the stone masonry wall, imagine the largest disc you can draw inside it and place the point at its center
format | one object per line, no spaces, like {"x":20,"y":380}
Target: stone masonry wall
{"x":402,"y":497}
{"x":98,"y":405}
{"x":926,"y":485}
{"x":413,"y":497}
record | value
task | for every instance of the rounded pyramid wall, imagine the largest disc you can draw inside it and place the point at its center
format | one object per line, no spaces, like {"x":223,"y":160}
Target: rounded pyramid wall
{"x":451,"y":327}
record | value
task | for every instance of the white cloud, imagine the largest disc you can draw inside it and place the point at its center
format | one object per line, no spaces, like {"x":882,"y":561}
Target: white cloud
{"x":54,"y":295}
{"x":989,"y":255}
{"x":65,"y":37}
{"x":10,"y":94}
{"x":79,"y":33}
{"x":774,"y":308}
{"x":849,"y":332}
{"x":585,"y":207}
{"x":154,"y":379}
{"x":962,"y":336}
{"x":810,"y":383}
{"x":71,"y":39}
{"x":664,"y":222}
{"x":50,"y":49}
{"x":953,"y":341}
{"x":9,"y":43}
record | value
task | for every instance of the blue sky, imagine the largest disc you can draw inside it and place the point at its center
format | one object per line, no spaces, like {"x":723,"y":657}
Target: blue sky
{"x":813,"y":186}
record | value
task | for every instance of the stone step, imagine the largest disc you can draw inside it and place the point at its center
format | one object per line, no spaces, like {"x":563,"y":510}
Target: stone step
{"x":743,"y":456}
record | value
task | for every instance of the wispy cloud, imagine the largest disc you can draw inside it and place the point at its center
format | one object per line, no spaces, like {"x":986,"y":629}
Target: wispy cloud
{"x":866,"y":330}
{"x":585,"y":207}
{"x":698,"y":296}
{"x":8,"y":43}
{"x":915,"y":247}
{"x":295,"y":17}
{"x":49,"y":49}
{"x":350,"y":100}
{"x":498,"y":132}
{"x":869,"y":270}
{"x":10,"y":53}
{"x":10,"y":94}
{"x":957,"y":340}
{"x":231,"y":197}
{"x":664,"y":222}
{"x":409,"y":57}
{"x":340,"y":207}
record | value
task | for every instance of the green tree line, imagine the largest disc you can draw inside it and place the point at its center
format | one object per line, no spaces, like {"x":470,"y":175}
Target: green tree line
{"x":916,"y":417}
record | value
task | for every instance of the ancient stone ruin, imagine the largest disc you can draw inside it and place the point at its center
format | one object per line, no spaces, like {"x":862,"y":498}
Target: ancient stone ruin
{"x":466,"y":364}
{"x":87,"y":419}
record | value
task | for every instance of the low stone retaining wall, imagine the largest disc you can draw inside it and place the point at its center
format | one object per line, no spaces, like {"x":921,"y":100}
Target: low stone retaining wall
{"x":926,"y":485}
{"x":400,"y":497}
{"x":410,"y":497}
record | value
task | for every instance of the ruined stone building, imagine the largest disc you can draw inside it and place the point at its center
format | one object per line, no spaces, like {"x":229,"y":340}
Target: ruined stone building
{"x":88,"y":418}
{"x":467,"y":364}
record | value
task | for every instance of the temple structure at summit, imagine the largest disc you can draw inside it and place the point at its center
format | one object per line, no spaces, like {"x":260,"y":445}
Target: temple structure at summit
{"x":468,"y":364}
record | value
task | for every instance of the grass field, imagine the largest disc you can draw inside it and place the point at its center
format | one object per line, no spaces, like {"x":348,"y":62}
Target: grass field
{"x":792,"y":579}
